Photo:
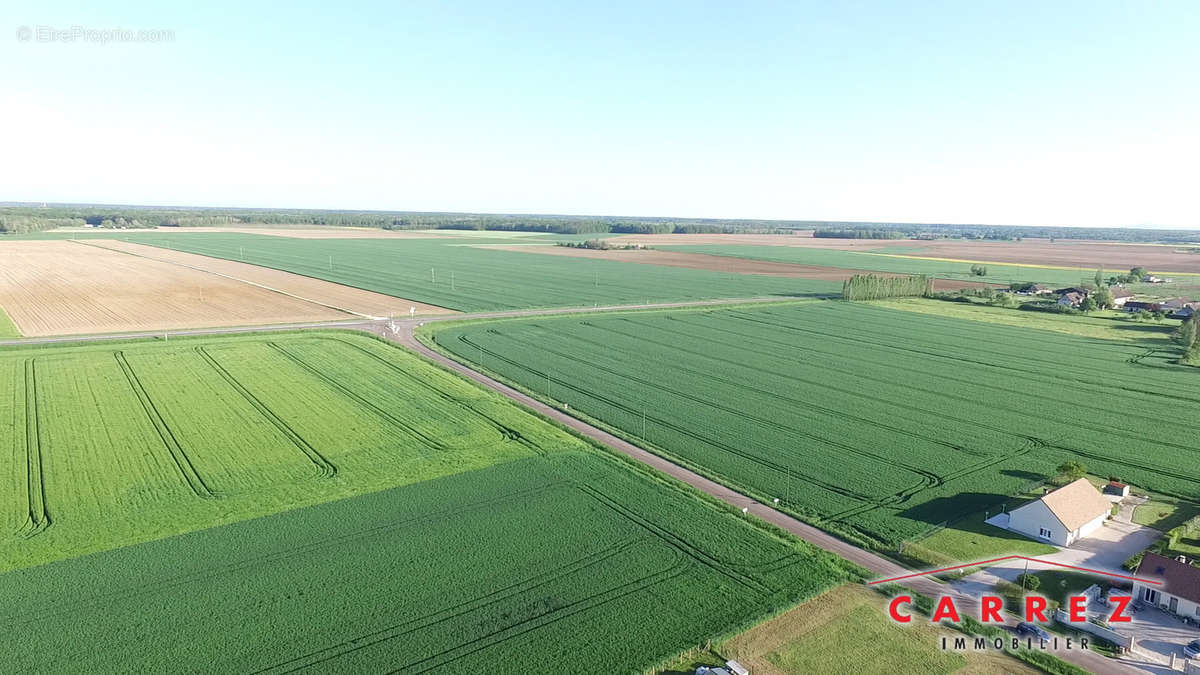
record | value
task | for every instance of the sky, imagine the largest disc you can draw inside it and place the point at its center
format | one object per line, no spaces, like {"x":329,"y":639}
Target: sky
{"x":1038,"y":113}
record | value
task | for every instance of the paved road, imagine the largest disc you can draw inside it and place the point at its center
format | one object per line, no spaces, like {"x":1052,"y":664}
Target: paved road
{"x":403,"y":334}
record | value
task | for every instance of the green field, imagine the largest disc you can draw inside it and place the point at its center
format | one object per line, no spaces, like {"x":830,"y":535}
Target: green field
{"x":115,"y":444}
{"x":7,"y":328}
{"x":568,"y":562}
{"x":875,"y":423}
{"x":483,"y":279}
{"x":470,"y":530}
{"x":961,"y":271}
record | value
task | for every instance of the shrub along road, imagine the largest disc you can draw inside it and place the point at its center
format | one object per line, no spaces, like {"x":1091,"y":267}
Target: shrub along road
{"x":402,"y":332}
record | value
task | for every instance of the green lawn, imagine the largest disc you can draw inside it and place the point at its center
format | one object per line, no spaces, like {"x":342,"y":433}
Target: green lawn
{"x":973,"y":539}
{"x":846,"y":630}
{"x":875,"y":423}
{"x":1164,"y":513}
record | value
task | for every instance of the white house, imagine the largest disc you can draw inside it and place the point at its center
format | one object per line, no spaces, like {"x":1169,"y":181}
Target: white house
{"x":1063,"y":516}
{"x":1180,"y":590}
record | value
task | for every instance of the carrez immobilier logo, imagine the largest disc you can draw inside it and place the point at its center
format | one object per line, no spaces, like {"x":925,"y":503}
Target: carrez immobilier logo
{"x":1028,"y":617}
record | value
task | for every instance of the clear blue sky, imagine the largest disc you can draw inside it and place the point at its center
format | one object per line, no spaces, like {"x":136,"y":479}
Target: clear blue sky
{"x":1005,"y":112}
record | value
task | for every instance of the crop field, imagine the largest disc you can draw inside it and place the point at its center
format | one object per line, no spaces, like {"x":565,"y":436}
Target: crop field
{"x":7,"y":329}
{"x":62,"y":287}
{"x":876,"y":423}
{"x":106,"y":445}
{"x":509,"y":546}
{"x":721,"y":263}
{"x":896,"y":263}
{"x":452,"y":273}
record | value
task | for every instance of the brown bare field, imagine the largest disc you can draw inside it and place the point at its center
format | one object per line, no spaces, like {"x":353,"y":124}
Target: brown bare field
{"x":1088,"y":254}
{"x":346,"y":298}
{"x":62,"y":288}
{"x":717,"y":263}
{"x":1115,"y":256}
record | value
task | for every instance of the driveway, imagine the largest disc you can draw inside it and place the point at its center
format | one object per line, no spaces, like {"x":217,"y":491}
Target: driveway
{"x":1105,"y":549}
{"x":1158,"y":635}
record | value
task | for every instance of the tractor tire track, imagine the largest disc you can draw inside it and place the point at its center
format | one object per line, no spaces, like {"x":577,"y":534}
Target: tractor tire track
{"x":325,"y":468}
{"x":38,"y":514}
{"x":187,"y":470}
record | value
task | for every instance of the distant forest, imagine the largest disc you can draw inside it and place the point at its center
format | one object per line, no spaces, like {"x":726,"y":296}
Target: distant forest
{"x":23,"y":218}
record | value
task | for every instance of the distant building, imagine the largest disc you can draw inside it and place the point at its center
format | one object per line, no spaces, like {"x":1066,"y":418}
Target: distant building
{"x":1180,"y":590}
{"x":1151,"y":279}
{"x":1064,"y":516}
{"x":1038,"y":289}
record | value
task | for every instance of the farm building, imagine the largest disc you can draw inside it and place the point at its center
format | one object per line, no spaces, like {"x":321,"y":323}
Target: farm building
{"x":1120,"y":295}
{"x":1116,"y":488}
{"x":1180,"y":592}
{"x":1132,"y":306}
{"x":1062,"y":517}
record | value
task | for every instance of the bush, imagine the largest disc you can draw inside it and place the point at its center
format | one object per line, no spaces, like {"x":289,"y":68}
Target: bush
{"x":1029,"y":582}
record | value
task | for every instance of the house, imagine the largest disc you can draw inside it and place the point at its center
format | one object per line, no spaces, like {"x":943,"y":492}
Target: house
{"x":1151,"y":279}
{"x":1064,"y":516}
{"x":1180,"y":590}
{"x":1071,"y":299}
{"x":1120,"y":295}
{"x":1073,"y":289}
{"x":1116,"y":488}
{"x":1175,"y":303}
{"x":1038,"y":289}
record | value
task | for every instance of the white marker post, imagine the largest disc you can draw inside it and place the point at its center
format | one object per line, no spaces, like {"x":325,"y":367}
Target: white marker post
{"x":412,"y":311}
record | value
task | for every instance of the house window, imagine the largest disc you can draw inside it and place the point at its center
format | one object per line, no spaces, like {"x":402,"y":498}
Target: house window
{"x":1044,"y":532}
{"x":1150,"y":595}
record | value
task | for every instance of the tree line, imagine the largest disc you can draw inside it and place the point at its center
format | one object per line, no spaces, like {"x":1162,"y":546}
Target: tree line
{"x":858,"y":234}
{"x":875,"y":287}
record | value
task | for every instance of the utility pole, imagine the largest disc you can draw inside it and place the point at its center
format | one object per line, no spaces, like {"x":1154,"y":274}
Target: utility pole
{"x":432,"y":276}
{"x":330,"y":263}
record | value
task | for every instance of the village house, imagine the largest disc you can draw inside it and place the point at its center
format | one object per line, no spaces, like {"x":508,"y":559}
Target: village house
{"x":1063,"y":516}
{"x":1120,"y":295}
{"x":1071,"y":299}
{"x":1180,"y":590}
